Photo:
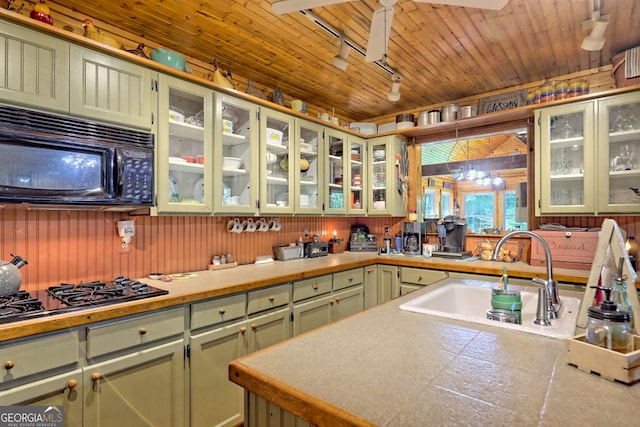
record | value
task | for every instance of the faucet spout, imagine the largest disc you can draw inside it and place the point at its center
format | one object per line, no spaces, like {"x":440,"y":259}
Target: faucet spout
{"x":554,"y":302}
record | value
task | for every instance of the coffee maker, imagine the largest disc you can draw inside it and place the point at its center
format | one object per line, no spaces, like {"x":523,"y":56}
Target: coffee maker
{"x":452,"y":236}
{"x":412,"y":237}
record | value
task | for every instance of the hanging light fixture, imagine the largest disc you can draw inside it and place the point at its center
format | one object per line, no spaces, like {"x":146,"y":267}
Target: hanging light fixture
{"x":340,"y":60}
{"x":595,"y":40}
{"x":394,"y":93}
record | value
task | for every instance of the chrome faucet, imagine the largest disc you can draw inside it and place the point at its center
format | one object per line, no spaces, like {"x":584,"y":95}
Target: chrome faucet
{"x":549,"y":300}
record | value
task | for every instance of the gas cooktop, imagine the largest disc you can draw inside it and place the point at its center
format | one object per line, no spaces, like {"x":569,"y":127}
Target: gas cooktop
{"x":69,"y":297}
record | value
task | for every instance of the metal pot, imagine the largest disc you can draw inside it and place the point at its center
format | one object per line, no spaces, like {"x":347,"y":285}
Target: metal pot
{"x":423,"y":118}
{"x":433,"y":117}
{"x":449,"y":112}
{"x":404,"y":121}
{"x":467,"y":111}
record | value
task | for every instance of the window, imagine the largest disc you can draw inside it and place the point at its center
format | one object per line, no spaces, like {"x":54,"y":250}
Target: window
{"x":429,"y":206}
{"x":478,"y":210}
{"x":509,"y":212}
{"x":445,"y":204}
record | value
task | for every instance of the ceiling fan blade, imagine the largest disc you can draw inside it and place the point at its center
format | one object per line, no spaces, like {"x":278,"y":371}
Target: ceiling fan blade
{"x":288,"y":6}
{"x":479,"y":4}
{"x":379,"y":33}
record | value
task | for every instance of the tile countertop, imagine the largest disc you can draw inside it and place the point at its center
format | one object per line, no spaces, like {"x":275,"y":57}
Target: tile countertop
{"x":211,"y":284}
{"x":390,"y":367}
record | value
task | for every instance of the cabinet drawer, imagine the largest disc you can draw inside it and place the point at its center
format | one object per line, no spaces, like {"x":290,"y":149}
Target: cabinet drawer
{"x":24,"y":357}
{"x":347,"y":278}
{"x":264,"y":299}
{"x":308,"y":288}
{"x":127,"y":334}
{"x":217,"y":311}
{"x":420,"y":276}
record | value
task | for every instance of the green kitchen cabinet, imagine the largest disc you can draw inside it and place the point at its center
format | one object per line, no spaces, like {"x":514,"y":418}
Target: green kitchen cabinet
{"x":184,"y":148}
{"x":277,"y":170}
{"x":218,"y":335}
{"x":587,"y":157}
{"x":357,"y":177}
{"x":34,"y":68}
{"x":134,"y":373}
{"x":109,"y":89}
{"x":311,"y":303}
{"x":388,"y":283}
{"x":370,"y":286}
{"x":236,"y":150}
{"x":412,"y":279}
{"x":30,"y":379}
{"x":384,"y":196}
{"x":309,"y":166}
{"x":335,"y":172}
{"x":262,"y":413}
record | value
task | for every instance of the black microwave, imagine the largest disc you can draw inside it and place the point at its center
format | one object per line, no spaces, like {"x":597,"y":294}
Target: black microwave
{"x":57,"y":159}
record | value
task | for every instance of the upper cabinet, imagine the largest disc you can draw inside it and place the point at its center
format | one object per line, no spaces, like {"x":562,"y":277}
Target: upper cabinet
{"x":236,"y":156}
{"x":277,"y":171}
{"x":383,"y":196}
{"x":34,"y":68}
{"x":308,"y":150}
{"x":586,"y":157}
{"x":356,"y":157}
{"x":109,"y":89}
{"x":335,"y":170}
{"x":184,"y":148}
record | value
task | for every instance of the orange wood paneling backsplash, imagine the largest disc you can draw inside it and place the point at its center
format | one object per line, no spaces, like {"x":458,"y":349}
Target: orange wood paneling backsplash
{"x":73,"y":246}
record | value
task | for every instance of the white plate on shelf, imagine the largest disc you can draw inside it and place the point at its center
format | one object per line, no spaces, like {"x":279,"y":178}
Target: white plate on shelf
{"x":198,"y":190}
{"x":174,"y":189}
{"x":177,"y":160}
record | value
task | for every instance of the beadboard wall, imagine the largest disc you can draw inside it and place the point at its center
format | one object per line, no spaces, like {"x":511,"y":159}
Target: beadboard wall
{"x":73,"y":246}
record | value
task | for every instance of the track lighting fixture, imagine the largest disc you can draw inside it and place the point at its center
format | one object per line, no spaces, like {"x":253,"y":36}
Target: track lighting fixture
{"x":394,"y":93}
{"x":340,"y":60}
{"x":595,"y":40}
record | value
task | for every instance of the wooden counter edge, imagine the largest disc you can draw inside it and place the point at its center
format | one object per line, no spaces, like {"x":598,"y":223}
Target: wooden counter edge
{"x":303,"y":405}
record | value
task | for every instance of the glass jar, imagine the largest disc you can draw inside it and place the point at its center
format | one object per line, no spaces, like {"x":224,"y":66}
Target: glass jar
{"x":609,"y":328}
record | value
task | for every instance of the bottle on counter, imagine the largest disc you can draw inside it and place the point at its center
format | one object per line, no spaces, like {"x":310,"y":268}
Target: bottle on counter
{"x":386,"y":242}
{"x":609,"y":327}
{"x":619,"y":294}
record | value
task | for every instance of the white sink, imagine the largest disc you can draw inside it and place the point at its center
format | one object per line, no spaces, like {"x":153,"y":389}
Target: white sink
{"x":469,"y":300}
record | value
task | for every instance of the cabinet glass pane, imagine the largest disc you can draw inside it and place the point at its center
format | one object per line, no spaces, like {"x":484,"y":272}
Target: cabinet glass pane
{"x":567,"y":160}
{"x":356,"y":160}
{"x":186,"y":148}
{"x":309,"y":168}
{"x":278,"y":161}
{"x":624,"y":144}
{"x":236,"y":151}
{"x":379,"y":177}
{"x":336,"y":172}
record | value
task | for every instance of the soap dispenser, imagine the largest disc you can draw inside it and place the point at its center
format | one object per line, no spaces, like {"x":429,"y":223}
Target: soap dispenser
{"x":619,"y":294}
{"x":608,"y":326}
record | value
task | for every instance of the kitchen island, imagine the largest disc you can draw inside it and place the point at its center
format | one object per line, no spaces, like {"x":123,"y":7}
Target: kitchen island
{"x":390,"y":367}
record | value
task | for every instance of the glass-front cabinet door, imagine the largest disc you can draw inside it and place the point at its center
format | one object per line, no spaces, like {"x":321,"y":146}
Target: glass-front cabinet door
{"x":236,"y":160}
{"x":618,"y":150}
{"x":384,"y":197}
{"x":565,"y":159}
{"x":184,"y":147}
{"x":356,"y":159}
{"x":309,"y":167}
{"x":335,"y":172}
{"x":277,"y":149}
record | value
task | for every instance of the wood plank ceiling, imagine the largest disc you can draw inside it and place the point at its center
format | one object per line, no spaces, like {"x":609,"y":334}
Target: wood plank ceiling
{"x":442,"y":52}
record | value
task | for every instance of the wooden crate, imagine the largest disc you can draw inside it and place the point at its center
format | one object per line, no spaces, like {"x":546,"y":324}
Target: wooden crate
{"x":569,"y":249}
{"x":609,"y":364}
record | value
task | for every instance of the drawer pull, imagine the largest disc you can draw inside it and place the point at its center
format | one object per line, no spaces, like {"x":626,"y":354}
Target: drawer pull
{"x":96,"y":376}
{"x":315,"y":286}
{"x":271,"y":299}
{"x":9,"y":364}
{"x":223,"y":311}
{"x":71,"y":384}
{"x":369,"y":270}
{"x":351,"y":279}
{"x":243,"y":330}
{"x":420,"y":278}
{"x":254,"y":326}
{"x":337,"y":300}
{"x":331,"y":302}
{"x":142,"y":331}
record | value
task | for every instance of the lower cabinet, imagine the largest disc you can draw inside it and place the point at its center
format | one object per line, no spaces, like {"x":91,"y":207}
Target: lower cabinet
{"x":412,"y":279}
{"x":143,"y":388}
{"x":262,"y":413}
{"x":388,"y":283}
{"x":370,"y":286}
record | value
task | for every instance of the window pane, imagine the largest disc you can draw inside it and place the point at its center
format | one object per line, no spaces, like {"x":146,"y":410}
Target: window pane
{"x":478,"y":210}
{"x":509,"y":220}
{"x":445,"y":208}
{"x":429,"y":206}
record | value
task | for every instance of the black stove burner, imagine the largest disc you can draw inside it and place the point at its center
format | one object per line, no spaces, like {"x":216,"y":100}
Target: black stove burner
{"x":100,"y":293}
{"x":20,"y":303}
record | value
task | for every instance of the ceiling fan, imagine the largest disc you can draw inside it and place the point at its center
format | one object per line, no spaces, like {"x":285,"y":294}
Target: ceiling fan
{"x":382,"y":17}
